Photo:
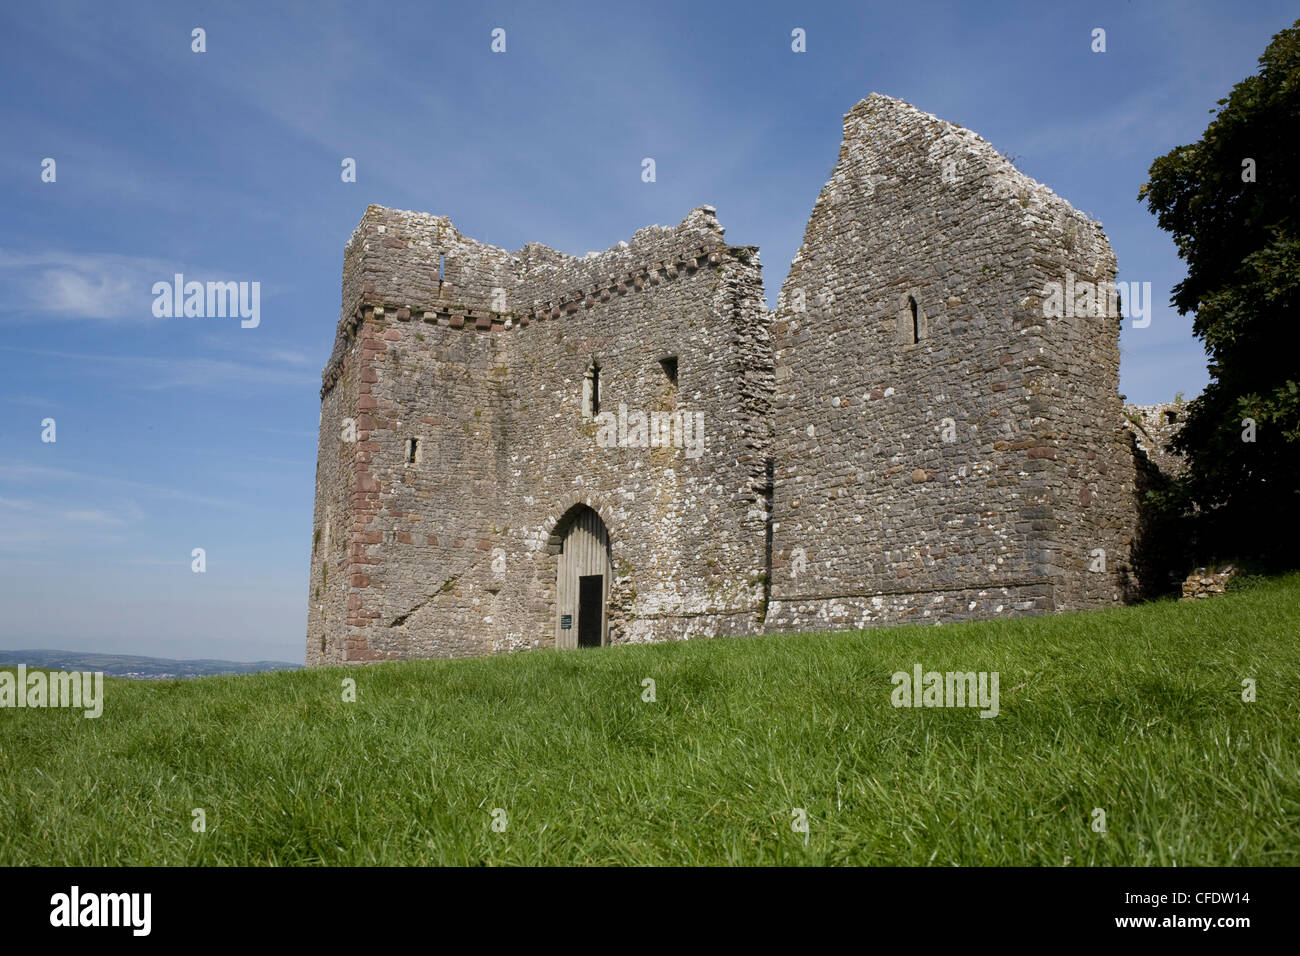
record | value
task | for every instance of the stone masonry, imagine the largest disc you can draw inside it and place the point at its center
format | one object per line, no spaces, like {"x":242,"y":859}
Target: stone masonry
{"x":906,"y":438}
{"x":1153,"y":428}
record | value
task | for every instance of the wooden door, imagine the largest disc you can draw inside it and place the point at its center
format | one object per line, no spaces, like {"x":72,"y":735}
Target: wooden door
{"x":584,"y":571}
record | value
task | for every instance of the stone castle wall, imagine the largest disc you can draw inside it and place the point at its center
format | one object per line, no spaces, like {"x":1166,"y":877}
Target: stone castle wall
{"x":452,"y":554}
{"x":962,"y":464}
{"x":687,"y":528}
{"x":1153,"y":428}
{"x":332,"y":547}
{"x":849,"y":475}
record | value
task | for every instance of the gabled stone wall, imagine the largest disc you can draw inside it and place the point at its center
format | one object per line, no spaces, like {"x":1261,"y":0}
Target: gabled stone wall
{"x":967,"y":474}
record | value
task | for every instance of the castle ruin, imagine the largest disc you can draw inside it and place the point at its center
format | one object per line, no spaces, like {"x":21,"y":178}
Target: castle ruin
{"x":531,"y":449}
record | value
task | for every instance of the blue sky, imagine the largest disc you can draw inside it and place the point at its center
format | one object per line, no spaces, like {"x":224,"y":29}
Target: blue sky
{"x":181,"y":433}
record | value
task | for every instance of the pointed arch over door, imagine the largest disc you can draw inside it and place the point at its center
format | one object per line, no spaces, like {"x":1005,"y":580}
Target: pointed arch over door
{"x":583,"y":576}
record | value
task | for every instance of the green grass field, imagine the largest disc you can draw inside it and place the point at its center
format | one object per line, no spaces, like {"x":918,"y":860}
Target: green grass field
{"x":1137,"y":711}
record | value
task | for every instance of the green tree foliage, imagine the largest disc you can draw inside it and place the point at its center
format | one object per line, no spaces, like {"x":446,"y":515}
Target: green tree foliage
{"x":1231,"y":202}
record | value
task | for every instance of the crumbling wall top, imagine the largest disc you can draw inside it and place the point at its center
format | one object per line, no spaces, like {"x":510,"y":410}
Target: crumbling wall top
{"x":1154,"y":427}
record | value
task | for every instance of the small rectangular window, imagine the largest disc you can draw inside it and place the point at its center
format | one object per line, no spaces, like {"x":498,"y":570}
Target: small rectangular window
{"x":669,"y":365}
{"x":412,"y":450}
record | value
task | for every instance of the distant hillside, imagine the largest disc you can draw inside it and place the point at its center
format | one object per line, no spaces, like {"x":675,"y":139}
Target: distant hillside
{"x":130,"y":665}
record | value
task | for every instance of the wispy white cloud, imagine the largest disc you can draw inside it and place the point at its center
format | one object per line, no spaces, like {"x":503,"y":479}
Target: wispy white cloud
{"x":1129,"y":124}
{"x":289,"y":357}
{"x":256,"y":350}
{"x":81,"y":285}
{"x":158,"y":562}
{"x":92,"y":516}
{"x":45,"y":530}
{"x":32,"y":401}
{"x":94,"y":285}
{"x":19,"y":471}
{"x":293,"y":432}
{"x":156,"y":372}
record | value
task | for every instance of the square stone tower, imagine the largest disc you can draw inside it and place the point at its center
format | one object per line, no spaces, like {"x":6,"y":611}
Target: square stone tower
{"x":531,"y":449}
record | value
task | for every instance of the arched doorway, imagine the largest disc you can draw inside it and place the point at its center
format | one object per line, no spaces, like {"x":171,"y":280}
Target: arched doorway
{"x":582,"y":580}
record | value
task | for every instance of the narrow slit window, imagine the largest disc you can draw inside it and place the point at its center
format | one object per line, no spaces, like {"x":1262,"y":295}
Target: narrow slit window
{"x":669,"y":365}
{"x":412,"y":450}
{"x":591,"y":391}
{"x":442,"y":267}
{"x":916,"y":321}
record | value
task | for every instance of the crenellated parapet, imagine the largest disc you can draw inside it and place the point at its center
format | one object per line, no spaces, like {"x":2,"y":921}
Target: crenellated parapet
{"x":549,"y":285}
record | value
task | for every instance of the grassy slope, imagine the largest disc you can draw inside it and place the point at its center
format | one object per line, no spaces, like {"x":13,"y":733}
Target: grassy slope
{"x":1137,"y":711}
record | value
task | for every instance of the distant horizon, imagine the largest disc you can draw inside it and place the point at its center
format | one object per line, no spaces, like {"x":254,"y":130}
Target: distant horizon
{"x":132,"y":666}
{"x":228,"y":165}
{"x":73,"y":652}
